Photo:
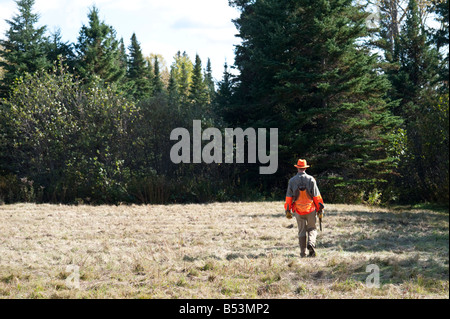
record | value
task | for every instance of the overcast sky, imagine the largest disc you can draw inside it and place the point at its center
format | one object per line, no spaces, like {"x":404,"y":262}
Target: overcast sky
{"x":161,"y":26}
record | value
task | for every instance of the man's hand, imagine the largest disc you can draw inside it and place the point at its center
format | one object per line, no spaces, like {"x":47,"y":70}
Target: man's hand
{"x":287,"y":207}
{"x":320,"y":213}
{"x":288,"y":214}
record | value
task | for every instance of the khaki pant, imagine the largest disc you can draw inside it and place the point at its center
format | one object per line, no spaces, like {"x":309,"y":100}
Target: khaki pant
{"x":307,"y":232}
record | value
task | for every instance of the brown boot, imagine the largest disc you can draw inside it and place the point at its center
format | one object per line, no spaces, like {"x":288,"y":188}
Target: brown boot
{"x":312,"y":251}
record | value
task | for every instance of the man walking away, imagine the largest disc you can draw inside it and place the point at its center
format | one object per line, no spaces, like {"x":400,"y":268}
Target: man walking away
{"x":303,"y":199}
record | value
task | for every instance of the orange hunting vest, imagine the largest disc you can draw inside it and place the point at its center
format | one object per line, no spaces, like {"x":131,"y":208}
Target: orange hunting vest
{"x":304,"y":204}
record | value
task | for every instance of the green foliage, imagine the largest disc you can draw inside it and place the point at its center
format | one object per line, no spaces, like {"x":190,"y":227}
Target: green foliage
{"x":418,"y":65}
{"x":14,"y":189}
{"x":67,"y":138}
{"x":198,"y":89}
{"x":209,"y":82}
{"x":157,"y":82}
{"x":139,"y":74}
{"x":59,"y":50}
{"x":424,"y":167}
{"x":375,"y":128}
{"x":303,"y":70}
{"x":181,"y":70}
{"x":98,"y":51}
{"x":415,"y":72}
{"x":441,"y":36}
{"x":24,"y":49}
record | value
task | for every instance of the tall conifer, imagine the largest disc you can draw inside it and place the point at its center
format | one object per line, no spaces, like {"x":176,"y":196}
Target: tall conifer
{"x":98,"y":51}
{"x":139,"y":72}
{"x":24,"y":49}
{"x":303,"y":69}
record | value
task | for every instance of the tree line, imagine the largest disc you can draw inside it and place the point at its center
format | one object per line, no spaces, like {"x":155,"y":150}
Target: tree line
{"x":367,"y":105}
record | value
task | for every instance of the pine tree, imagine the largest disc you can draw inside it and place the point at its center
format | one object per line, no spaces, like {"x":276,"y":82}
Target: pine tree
{"x":123,"y":56}
{"x":302,"y":70}
{"x":441,"y":39}
{"x":98,"y":52}
{"x":59,"y":50}
{"x":209,"y":82}
{"x":182,"y":70}
{"x":416,"y":84}
{"x":24,"y":49}
{"x":139,"y":72}
{"x":418,"y":73}
{"x":172,"y":88}
{"x":224,"y":95}
{"x":157,"y":83}
{"x":198,"y":90}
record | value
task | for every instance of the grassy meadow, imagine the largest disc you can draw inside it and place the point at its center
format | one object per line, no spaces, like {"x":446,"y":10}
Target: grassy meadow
{"x":220,"y":250}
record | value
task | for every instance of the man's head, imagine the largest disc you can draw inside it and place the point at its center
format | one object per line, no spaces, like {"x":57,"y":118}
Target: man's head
{"x":301,"y":165}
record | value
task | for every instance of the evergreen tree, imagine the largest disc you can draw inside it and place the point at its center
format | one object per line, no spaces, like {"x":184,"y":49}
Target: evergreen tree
{"x":139,"y":72}
{"x":172,"y":88}
{"x":224,"y":94}
{"x":123,"y":84}
{"x":98,"y":51}
{"x":182,"y":71}
{"x":197,"y":91}
{"x":389,"y":28}
{"x":303,"y":70}
{"x":441,"y":38}
{"x":417,"y":76}
{"x":59,"y":50}
{"x":24,"y":49}
{"x":123,"y":56}
{"x":157,"y":83}
{"x":416,"y":85}
{"x":209,"y":81}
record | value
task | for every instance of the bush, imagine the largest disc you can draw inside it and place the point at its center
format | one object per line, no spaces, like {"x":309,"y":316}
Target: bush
{"x":68,"y":138}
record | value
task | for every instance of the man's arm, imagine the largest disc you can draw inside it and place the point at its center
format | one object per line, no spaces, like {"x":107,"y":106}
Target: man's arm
{"x":289,"y":197}
{"x":315,"y":193}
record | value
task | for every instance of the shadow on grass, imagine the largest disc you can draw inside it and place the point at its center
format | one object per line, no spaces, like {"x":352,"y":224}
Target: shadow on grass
{"x":419,"y":241}
{"x":395,"y":231}
{"x":263,"y":215}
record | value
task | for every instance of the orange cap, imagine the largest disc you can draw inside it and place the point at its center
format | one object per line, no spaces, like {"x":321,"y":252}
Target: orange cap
{"x":302,"y":164}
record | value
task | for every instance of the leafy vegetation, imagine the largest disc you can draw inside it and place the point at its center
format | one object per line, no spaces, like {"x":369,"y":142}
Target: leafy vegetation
{"x":89,"y":122}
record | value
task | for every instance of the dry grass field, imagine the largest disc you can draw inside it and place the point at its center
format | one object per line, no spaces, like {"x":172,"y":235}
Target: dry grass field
{"x":221,"y":250}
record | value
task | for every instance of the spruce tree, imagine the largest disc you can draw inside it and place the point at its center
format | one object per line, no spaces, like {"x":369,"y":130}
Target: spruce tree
{"x":182,"y":70}
{"x":157,"y":82}
{"x":419,"y":64}
{"x":123,"y":56}
{"x":59,"y":50}
{"x":24,"y":49}
{"x":198,"y":90}
{"x":303,"y":70}
{"x":441,"y":39}
{"x":172,"y":88}
{"x":224,"y":94}
{"x":139,"y":72}
{"x":98,"y":53}
{"x":209,"y":81}
{"x":416,"y":85}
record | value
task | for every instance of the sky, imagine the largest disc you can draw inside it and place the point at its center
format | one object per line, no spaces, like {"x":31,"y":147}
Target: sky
{"x":202,"y":27}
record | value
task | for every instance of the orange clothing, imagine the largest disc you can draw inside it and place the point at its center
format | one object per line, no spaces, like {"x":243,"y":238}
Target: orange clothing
{"x":303,"y":195}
